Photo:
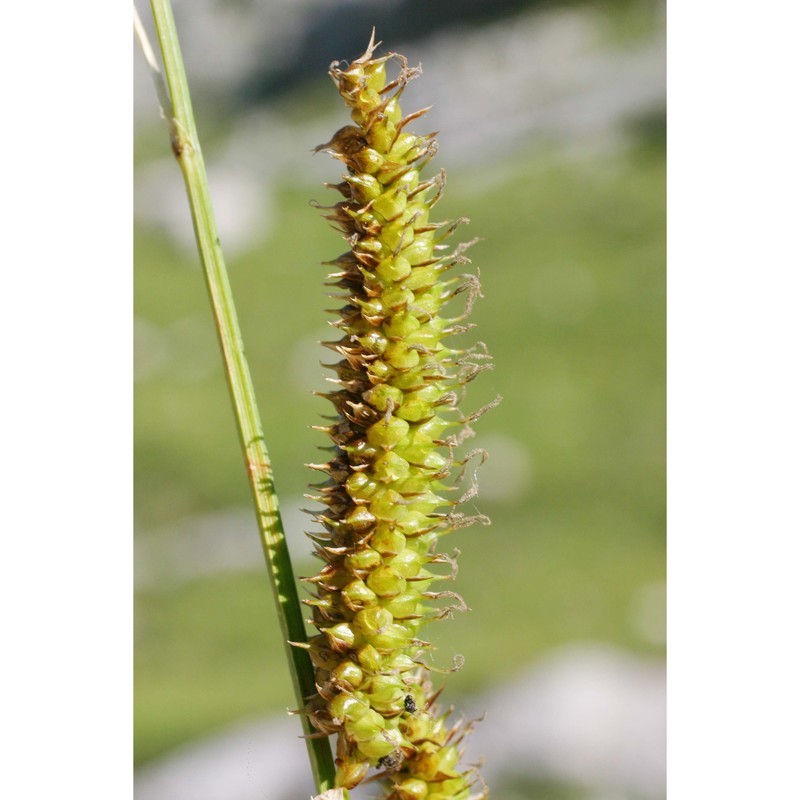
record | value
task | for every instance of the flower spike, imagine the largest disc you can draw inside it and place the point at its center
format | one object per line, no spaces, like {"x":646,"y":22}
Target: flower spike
{"x":397,"y":424}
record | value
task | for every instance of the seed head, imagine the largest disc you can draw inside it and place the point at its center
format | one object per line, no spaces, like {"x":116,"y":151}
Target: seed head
{"x":387,"y":495}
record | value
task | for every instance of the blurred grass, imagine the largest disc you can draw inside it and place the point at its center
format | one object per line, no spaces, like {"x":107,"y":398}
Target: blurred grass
{"x":572,"y":265}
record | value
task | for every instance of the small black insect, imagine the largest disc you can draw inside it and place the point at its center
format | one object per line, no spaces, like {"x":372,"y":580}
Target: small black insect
{"x":410,"y":705}
{"x":391,"y":762}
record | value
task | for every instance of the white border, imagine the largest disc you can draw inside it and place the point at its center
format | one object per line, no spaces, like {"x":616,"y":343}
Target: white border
{"x":733,"y":399}
{"x":66,"y":582}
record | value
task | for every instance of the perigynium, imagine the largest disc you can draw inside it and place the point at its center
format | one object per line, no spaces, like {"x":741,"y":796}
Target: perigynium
{"x":395,"y":433}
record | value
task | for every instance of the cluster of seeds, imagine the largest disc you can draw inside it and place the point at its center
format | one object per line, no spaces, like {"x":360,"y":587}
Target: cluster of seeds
{"x":386,"y":494}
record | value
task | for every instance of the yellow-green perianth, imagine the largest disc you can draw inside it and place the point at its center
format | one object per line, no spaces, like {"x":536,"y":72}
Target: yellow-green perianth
{"x":394,"y":433}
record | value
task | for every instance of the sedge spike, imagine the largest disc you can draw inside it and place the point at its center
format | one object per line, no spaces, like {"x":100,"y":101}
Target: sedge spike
{"x":387,"y":498}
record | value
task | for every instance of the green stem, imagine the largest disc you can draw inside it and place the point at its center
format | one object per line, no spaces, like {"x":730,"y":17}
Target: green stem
{"x":186,"y":148}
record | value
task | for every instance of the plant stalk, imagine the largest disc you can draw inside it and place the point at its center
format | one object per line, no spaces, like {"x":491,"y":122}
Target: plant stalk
{"x":186,"y":148}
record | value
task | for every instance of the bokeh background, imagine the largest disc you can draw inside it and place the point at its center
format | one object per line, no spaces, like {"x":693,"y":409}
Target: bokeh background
{"x":551,"y":129}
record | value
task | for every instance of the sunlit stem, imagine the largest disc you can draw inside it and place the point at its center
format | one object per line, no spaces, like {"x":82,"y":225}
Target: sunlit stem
{"x":177,"y":110}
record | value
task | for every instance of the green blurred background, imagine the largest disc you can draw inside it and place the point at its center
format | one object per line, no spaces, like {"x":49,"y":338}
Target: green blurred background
{"x":571,"y":214}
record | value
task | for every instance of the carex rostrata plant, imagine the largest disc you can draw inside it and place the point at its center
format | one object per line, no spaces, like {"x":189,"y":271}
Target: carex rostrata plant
{"x":394,"y":477}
